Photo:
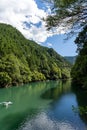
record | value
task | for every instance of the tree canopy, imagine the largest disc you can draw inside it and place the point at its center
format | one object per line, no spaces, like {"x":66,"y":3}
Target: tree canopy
{"x":23,"y":61}
{"x":79,"y":70}
{"x":69,"y":14}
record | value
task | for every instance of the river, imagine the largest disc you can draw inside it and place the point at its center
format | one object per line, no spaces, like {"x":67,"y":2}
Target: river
{"x":42,"y":106}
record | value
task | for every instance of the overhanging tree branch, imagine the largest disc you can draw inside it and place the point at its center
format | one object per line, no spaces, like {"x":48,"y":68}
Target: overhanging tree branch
{"x":70,"y":14}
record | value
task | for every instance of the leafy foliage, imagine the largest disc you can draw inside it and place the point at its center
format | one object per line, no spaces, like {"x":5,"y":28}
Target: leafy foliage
{"x":23,"y":61}
{"x":69,"y":14}
{"x":72,"y":14}
{"x":79,"y":70}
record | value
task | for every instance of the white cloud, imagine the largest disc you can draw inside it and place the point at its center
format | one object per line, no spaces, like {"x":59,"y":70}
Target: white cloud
{"x":17,"y":12}
{"x":49,"y":44}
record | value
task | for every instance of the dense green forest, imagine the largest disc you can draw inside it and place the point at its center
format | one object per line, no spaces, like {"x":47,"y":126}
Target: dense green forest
{"x":23,"y":61}
{"x":79,"y":70}
{"x":72,"y":14}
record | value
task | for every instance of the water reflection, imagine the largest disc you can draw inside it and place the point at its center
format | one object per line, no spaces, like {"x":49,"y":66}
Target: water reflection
{"x":40,"y":106}
{"x":81,"y":96}
{"x":61,"y":107}
{"x":43,"y":122}
{"x":26,"y":101}
{"x":61,"y":87}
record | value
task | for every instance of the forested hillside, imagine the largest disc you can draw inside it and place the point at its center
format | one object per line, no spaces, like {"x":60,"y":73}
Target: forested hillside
{"x":23,"y":61}
{"x":79,"y":70}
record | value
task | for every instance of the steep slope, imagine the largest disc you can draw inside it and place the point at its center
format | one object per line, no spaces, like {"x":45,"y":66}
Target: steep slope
{"x":23,"y":61}
{"x":79,"y":70}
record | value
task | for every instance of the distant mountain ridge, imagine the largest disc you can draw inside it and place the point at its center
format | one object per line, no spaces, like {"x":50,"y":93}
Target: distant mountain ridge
{"x":23,"y":61}
{"x":71,"y":59}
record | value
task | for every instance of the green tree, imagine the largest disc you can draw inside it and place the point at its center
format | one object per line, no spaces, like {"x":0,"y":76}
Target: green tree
{"x":79,"y":70}
{"x":68,"y":14}
{"x":72,"y":15}
{"x":5,"y":79}
{"x":23,"y":61}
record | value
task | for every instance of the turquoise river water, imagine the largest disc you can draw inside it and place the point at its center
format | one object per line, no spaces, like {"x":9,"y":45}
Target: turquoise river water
{"x":42,"y":106}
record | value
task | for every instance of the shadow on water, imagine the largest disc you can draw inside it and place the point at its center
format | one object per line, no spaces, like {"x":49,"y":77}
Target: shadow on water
{"x":41,"y":106}
{"x":26,"y":101}
{"x":81,"y":96}
{"x":61,"y":88}
{"x":64,"y":98}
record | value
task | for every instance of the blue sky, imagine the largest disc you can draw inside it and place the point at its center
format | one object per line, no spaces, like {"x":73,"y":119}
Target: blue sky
{"x":63,"y":47}
{"x":57,"y":42}
{"x":26,"y":16}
